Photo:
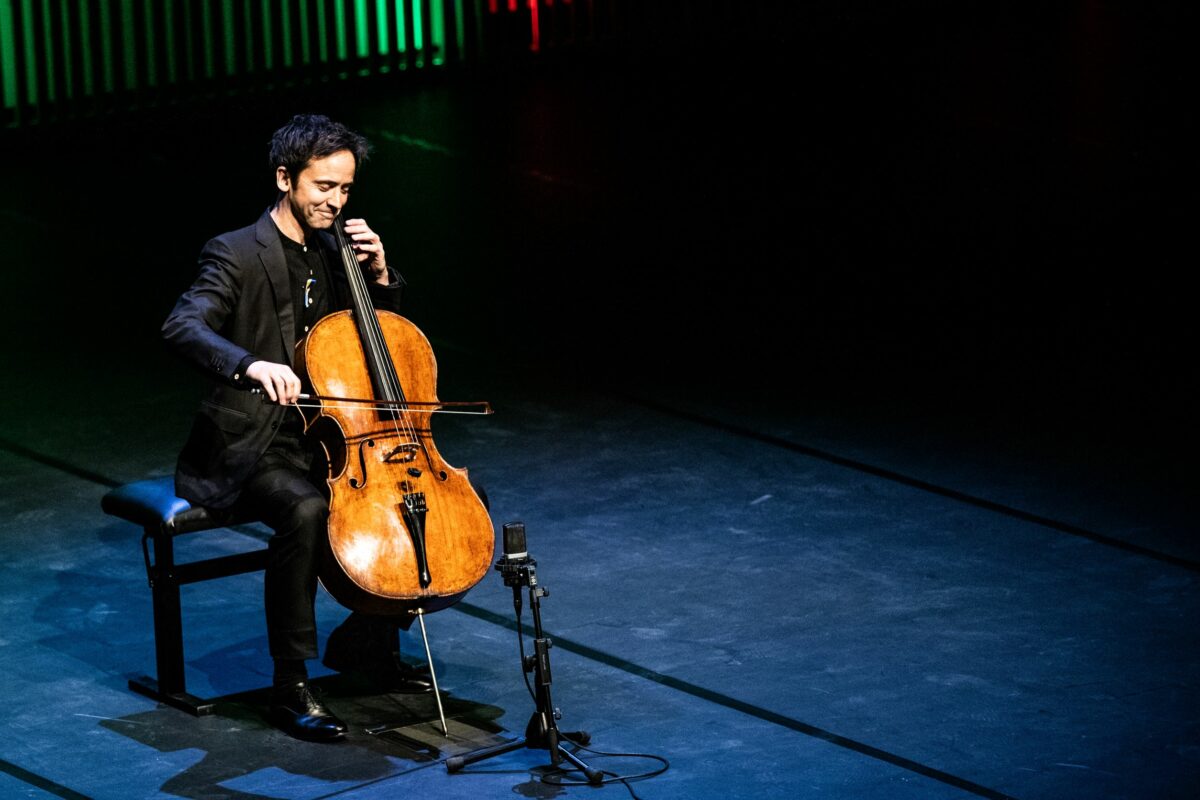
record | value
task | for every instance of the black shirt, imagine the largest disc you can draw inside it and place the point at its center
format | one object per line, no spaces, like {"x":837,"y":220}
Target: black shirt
{"x":310,"y":283}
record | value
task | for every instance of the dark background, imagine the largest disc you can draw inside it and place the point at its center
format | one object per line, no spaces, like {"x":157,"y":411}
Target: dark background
{"x":971,"y":208}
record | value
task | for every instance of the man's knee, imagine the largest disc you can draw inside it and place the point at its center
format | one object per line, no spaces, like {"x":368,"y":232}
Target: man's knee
{"x":310,"y":513}
{"x":303,"y":521}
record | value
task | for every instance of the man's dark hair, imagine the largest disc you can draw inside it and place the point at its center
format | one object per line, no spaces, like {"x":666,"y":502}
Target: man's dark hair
{"x":309,"y":136}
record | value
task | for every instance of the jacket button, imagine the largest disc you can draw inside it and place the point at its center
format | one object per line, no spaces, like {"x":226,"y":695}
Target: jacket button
{"x":274,"y":425}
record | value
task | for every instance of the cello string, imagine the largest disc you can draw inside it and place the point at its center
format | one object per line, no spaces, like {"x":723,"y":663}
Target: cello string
{"x":384,"y":366}
{"x":374,"y":346}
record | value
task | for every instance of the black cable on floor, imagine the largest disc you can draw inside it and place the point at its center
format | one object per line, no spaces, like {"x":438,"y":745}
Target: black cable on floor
{"x":554,"y":778}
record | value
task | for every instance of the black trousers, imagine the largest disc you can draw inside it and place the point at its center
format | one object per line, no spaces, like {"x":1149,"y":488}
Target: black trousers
{"x":282,"y":494}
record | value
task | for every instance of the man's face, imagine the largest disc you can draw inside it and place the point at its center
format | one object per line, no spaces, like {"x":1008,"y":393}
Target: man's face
{"x":321,"y":189}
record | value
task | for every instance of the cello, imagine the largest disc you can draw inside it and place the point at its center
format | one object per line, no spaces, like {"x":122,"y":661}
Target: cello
{"x":408,"y":533}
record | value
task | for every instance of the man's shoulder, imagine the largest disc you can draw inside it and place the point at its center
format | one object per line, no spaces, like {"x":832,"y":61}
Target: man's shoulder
{"x":248,"y":238}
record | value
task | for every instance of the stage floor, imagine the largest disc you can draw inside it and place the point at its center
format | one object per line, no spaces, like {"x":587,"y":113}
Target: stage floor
{"x":779,"y":607}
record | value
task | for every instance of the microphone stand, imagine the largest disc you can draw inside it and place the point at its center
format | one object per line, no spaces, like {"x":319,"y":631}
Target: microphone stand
{"x":519,"y":570}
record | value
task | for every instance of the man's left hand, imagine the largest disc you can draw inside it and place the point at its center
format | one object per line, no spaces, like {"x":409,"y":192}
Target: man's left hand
{"x":368,"y":249}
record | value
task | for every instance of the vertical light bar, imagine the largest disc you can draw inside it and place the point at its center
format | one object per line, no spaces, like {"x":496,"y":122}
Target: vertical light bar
{"x":48,"y":43}
{"x":129,"y":44}
{"x":285,"y":22}
{"x":418,"y":31}
{"x":106,"y":53}
{"x":361,"y":44}
{"x":85,"y":38}
{"x":339,"y":27}
{"x":381,"y":32}
{"x":267,"y":50}
{"x":230,"y":44}
{"x":151,"y":65}
{"x":322,"y":35}
{"x":460,"y":31}
{"x":188,"y":70}
{"x":209,"y":40}
{"x":8,"y":57}
{"x":31,"y":65}
{"x":535,"y":34}
{"x":437,"y":30}
{"x":169,"y":35}
{"x":305,"y":48}
{"x":248,"y":30}
{"x":401,"y":29}
{"x":68,"y":54}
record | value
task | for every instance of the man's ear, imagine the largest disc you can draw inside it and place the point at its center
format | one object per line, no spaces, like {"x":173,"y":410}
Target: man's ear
{"x":283,"y":181}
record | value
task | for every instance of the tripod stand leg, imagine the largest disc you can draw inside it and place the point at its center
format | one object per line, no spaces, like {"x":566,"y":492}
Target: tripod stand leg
{"x":594,"y":776}
{"x":547,"y":740}
{"x":455,"y":763}
{"x":543,"y":733}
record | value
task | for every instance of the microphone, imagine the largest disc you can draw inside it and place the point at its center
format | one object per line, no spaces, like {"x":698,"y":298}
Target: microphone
{"x":514,"y":543}
{"x":515,"y":565}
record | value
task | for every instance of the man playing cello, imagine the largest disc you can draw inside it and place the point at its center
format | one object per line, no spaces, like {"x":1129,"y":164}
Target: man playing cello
{"x":258,"y":292}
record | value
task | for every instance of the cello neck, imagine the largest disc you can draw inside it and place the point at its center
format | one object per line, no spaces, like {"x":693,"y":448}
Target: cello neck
{"x":379,"y":363}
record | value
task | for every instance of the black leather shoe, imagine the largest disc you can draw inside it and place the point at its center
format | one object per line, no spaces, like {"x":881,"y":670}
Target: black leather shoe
{"x":297,"y":713}
{"x":368,"y":647}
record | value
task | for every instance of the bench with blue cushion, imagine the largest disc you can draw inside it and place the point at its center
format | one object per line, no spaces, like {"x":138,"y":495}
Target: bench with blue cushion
{"x":153,"y":505}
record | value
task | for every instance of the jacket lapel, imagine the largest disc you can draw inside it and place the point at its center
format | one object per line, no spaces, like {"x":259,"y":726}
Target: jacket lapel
{"x":275,"y":263}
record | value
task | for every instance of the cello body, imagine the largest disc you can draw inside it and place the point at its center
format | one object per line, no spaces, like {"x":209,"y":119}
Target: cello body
{"x":408,"y":533}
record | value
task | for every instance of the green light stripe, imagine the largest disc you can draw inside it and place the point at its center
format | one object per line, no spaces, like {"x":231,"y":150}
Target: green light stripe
{"x":8,"y":57}
{"x":151,"y":45}
{"x":381,"y":29}
{"x":209,"y":40}
{"x":230,"y":44}
{"x":169,"y":33}
{"x":285,"y":22}
{"x":401,"y":27}
{"x":128,"y":45}
{"x":339,"y":19}
{"x":418,"y":30}
{"x":85,"y":56}
{"x":460,"y":31}
{"x":322,"y":34}
{"x":30,"y":64}
{"x":437,"y":30}
{"x":64,"y":15}
{"x":267,"y":51}
{"x":305,"y":48}
{"x":362,"y":45}
{"x":248,"y":28}
{"x":188,"y":72}
{"x":48,"y":44}
{"x":106,"y":53}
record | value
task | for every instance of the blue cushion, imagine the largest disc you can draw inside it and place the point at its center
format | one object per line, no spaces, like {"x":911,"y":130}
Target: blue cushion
{"x":146,"y":502}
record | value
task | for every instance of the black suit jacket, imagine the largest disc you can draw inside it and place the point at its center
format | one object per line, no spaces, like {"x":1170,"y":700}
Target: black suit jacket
{"x":241,"y":305}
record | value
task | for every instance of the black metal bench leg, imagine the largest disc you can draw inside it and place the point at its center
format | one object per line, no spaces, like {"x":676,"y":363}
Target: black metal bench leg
{"x":171,"y":686}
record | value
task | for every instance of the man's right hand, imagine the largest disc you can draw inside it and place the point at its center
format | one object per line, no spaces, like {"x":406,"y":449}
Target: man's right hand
{"x":277,"y":380}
